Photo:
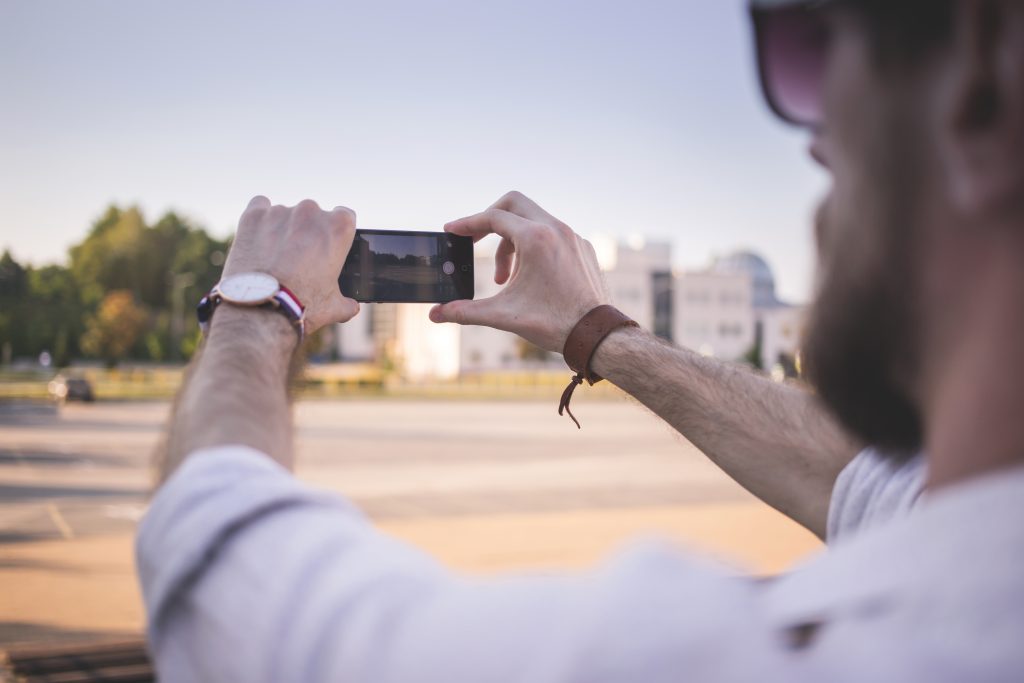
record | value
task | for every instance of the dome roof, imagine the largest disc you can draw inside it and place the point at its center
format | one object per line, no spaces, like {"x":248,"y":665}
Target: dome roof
{"x":748,"y":263}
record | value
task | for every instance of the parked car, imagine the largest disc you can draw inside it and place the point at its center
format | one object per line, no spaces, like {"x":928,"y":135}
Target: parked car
{"x":71,"y":389}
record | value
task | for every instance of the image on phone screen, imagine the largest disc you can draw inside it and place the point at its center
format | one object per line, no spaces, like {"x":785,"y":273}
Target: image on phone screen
{"x":405,"y":266}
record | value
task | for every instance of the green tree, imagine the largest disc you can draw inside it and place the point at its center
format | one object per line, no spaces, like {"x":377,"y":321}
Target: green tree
{"x":115,"y":327}
{"x":55,"y":320}
{"x":112,"y":256}
{"x":529,"y":352}
{"x":194,"y":269}
{"x":167,"y":267}
{"x":13,"y":304}
{"x":752,"y":356}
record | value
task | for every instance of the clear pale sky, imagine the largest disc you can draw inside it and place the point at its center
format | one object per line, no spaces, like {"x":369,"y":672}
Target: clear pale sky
{"x":621,"y":118}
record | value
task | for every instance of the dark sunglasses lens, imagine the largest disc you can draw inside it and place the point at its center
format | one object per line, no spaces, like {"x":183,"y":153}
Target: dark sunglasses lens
{"x":793,"y":49}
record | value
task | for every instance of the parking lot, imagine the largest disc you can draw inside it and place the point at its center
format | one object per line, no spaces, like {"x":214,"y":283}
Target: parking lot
{"x":485,"y":486}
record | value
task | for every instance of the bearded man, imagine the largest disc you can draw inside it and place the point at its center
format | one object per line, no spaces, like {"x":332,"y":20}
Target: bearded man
{"x":907,"y":457}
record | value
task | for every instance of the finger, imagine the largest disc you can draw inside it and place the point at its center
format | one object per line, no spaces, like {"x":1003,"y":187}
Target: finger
{"x":305,"y":208}
{"x":258,"y":202}
{"x":521,"y":205}
{"x":589,"y":253}
{"x":468,"y":312}
{"x":490,"y":221}
{"x":503,"y":261}
{"x":343,"y":221}
{"x":346,"y":212}
{"x":341,"y":309}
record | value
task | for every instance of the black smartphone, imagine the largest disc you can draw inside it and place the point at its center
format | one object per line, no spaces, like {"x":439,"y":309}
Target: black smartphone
{"x":405,"y":266}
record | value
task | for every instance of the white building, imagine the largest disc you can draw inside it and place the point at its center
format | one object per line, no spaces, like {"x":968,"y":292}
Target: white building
{"x":713,"y":313}
{"x":422,"y":349}
{"x":778,"y":326}
{"x":725,"y":311}
{"x":355,"y":338}
{"x":639,"y":279}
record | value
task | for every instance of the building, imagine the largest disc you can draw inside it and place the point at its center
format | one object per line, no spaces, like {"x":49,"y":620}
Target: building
{"x":713,"y":313}
{"x":728,"y":310}
{"x":778,"y":326}
{"x":638,"y":275}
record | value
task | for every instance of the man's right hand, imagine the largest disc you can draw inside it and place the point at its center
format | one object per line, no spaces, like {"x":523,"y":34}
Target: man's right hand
{"x":304,"y":248}
{"x":552,"y":274}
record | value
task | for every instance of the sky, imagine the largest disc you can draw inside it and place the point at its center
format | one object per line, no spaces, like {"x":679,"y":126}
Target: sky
{"x":640,"y":118}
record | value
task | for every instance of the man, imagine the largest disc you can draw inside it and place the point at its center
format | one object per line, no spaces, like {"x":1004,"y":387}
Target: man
{"x":917,"y":110}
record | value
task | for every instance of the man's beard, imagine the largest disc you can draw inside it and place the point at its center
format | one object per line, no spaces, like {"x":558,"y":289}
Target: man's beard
{"x":861,"y":347}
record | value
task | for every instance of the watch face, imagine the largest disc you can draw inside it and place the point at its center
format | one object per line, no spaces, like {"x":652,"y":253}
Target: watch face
{"x":248,"y":288}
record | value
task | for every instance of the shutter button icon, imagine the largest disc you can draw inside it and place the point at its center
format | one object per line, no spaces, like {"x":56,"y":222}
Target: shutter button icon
{"x":448,"y":267}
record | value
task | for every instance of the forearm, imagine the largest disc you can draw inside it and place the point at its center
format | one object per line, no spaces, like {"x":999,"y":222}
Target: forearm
{"x":776,"y":440}
{"x":236,"y":391}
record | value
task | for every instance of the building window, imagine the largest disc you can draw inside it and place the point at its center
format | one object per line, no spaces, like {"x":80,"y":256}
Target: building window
{"x":698,"y":297}
{"x":661,"y":285}
{"x":730,"y":330}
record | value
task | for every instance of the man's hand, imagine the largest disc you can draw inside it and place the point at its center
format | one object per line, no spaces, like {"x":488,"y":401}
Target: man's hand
{"x":236,"y":390}
{"x":552,"y":274}
{"x":304,"y":248}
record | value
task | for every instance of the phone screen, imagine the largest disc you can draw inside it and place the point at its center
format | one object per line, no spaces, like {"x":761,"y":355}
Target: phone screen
{"x":406,"y":266}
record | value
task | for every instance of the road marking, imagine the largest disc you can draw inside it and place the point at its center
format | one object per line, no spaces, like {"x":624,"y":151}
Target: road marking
{"x":132,"y":513}
{"x":58,"y":521}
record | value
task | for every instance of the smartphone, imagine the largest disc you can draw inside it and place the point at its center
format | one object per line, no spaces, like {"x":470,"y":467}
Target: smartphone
{"x":404,"y":266}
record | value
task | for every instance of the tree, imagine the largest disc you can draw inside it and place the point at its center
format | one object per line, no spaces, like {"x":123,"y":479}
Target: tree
{"x":164,"y":268}
{"x":13,"y":304}
{"x":167,"y":266}
{"x":191,"y":272}
{"x":115,"y":328}
{"x":528,"y":352}
{"x":112,"y":256}
{"x":55,"y":320}
{"x":752,"y":356}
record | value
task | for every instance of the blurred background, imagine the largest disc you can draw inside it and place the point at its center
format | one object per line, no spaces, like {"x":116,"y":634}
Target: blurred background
{"x":133,"y":135}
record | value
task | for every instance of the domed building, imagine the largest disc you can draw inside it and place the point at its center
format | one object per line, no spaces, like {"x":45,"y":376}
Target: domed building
{"x":731,"y":311}
{"x":748,"y":263}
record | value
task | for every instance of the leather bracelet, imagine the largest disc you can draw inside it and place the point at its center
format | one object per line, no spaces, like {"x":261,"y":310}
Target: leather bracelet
{"x":581,"y":344}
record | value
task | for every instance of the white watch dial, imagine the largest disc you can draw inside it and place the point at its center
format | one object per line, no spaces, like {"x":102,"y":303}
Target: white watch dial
{"x":248,"y":288}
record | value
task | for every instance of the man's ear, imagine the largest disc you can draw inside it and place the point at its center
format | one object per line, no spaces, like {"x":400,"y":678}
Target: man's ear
{"x":982,"y":107}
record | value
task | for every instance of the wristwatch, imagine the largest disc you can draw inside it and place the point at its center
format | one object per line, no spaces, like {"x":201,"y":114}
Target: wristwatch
{"x":256,"y":290}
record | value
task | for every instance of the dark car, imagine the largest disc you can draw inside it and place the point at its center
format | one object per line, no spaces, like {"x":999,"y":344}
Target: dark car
{"x":71,"y":389}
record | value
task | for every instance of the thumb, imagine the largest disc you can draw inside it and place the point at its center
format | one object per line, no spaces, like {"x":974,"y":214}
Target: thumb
{"x":466,"y":312}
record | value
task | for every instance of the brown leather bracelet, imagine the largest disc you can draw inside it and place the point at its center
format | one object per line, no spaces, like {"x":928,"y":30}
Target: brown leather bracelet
{"x":581,"y":344}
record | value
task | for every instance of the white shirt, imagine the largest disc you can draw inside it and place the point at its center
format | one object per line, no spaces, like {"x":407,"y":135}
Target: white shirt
{"x":249,"y":575}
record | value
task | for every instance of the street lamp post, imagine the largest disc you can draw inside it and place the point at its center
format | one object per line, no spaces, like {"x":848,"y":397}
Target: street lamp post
{"x":179,"y":283}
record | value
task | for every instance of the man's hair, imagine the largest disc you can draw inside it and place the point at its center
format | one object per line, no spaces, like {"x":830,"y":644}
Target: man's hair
{"x":903,"y":31}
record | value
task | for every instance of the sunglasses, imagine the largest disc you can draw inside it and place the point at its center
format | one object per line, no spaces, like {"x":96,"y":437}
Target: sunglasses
{"x":792,"y":41}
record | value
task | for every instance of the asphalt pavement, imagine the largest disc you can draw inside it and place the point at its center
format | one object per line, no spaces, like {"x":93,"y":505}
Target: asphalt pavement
{"x":486,"y":486}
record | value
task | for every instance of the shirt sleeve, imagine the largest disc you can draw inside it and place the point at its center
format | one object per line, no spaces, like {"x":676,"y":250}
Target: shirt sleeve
{"x":872,"y":489}
{"x":248,"y":575}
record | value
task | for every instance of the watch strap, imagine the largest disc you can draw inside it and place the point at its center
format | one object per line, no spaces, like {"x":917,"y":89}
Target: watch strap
{"x":290,"y":304}
{"x":284,"y":301}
